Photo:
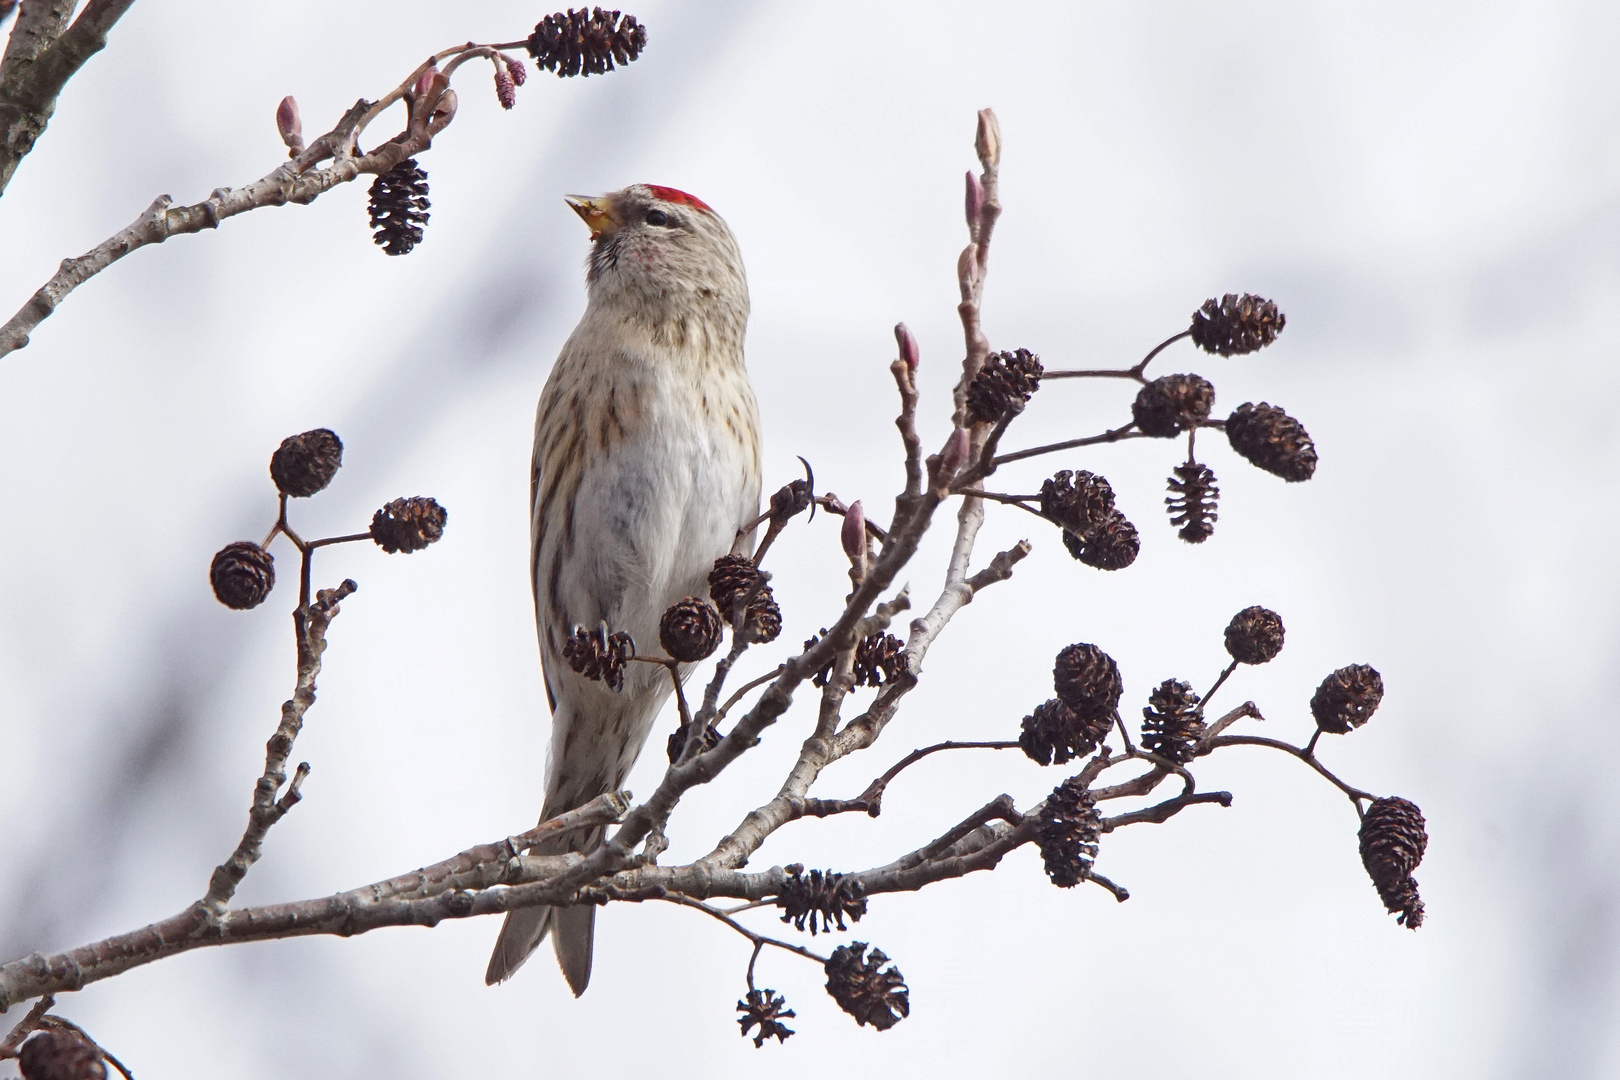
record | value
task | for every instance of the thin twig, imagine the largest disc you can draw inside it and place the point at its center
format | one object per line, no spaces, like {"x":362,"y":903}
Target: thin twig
{"x":872,"y":798}
{"x":25,"y":1027}
{"x":757,"y":939}
{"x":1355,"y":794}
{"x":1117,"y":434}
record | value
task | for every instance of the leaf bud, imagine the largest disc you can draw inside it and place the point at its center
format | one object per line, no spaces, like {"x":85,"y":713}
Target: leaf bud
{"x":908,"y":346}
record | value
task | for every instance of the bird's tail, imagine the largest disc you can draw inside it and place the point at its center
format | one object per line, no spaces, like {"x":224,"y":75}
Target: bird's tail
{"x":572,"y":929}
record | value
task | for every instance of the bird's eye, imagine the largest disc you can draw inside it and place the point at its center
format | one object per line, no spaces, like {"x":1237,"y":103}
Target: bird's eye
{"x":657,"y":217}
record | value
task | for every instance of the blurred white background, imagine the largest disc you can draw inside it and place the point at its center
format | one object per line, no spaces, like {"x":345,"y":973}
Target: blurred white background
{"x":1430,"y":192}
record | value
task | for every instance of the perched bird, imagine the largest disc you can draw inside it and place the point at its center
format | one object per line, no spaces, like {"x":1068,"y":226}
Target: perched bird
{"x":646,"y":468}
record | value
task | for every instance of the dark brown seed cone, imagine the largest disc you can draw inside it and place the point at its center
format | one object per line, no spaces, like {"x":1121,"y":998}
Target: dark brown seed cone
{"x":505,"y":88}
{"x":691,"y":630}
{"x":1255,"y":635}
{"x":871,"y":996}
{"x":407,"y":525}
{"x":1170,"y":405}
{"x":304,"y":464}
{"x":1272,"y":440}
{"x":1076,"y":500}
{"x":821,"y":900}
{"x":677,"y":741}
{"x":60,"y":1055}
{"x":764,"y":621}
{"x":1055,"y":733}
{"x":1392,"y":842}
{"x":1171,"y":725}
{"x":1347,"y":699}
{"x":598,"y":655}
{"x":1238,"y":324}
{"x":1113,"y":544}
{"x":1193,"y":495}
{"x":733,"y":577}
{"x":242,"y":575}
{"x":1002,"y":386}
{"x":879,"y":659}
{"x":574,"y":43}
{"x":820,"y":677}
{"x":1068,"y":831}
{"x":399,"y":206}
{"x":1087,"y":680}
{"x":765,"y":1009}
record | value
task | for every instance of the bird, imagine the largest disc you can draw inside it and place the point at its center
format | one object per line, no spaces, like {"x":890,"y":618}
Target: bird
{"x":646,"y":469}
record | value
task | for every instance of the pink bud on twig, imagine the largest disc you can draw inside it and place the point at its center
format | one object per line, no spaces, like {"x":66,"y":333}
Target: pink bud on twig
{"x":987,"y":142}
{"x":908,"y":346}
{"x":290,"y":124}
{"x":967,"y":267}
{"x":975,"y":200}
{"x":424,"y":81}
{"x":445,"y":110}
{"x":953,"y":457}
{"x":854,"y":532}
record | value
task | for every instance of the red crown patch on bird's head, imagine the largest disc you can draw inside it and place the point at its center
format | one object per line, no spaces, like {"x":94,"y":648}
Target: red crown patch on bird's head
{"x":675,"y":195}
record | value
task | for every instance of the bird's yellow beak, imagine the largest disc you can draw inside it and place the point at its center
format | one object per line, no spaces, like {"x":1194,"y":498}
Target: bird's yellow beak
{"x":596,"y":213}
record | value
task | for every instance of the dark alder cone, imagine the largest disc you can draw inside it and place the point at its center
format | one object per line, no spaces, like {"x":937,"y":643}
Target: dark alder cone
{"x":598,"y":655}
{"x":1087,"y":681}
{"x":677,"y":741}
{"x":407,"y":525}
{"x":871,"y":996}
{"x":1111,"y":544}
{"x":1170,"y":405}
{"x":821,"y":900}
{"x":1392,"y":843}
{"x":1255,"y":635}
{"x":575,"y":43}
{"x":505,"y":88}
{"x":60,"y":1055}
{"x":691,"y":630}
{"x":242,"y":575}
{"x":304,"y":464}
{"x":1076,"y":500}
{"x":1171,"y":725}
{"x":1067,"y":832}
{"x":1192,"y":502}
{"x":879,"y":659}
{"x":820,"y":677}
{"x":1272,"y":440}
{"x":1055,"y":733}
{"x":734,"y":577}
{"x":765,"y":1009}
{"x":1002,"y":386}
{"x":399,"y":206}
{"x":1238,"y":324}
{"x":1347,"y":699}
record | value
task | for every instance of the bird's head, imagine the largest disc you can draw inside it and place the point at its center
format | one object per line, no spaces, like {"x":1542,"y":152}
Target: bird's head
{"x":664,"y":256}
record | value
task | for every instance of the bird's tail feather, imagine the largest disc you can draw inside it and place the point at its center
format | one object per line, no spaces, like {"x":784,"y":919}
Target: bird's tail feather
{"x":572,"y":928}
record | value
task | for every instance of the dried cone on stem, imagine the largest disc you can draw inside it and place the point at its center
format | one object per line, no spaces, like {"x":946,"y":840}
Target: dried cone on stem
{"x":242,"y":575}
{"x":1255,"y":635}
{"x":1171,"y":724}
{"x":1347,"y":699}
{"x":764,"y":1008}
{"x":1238,"y":324}
{"x":677,"y":741}
{"x":1076,"y":500}
{"x":1191,"y":504}
{"x":734,"y":578}
{"x":598,"y":655}
{"x":879,"y":659}
{"x":1272,"y":440}
{"x":1068,"y":831}
{"x":1392,"y":843}
{"x":1111,"y":544}
{"x":399,"y":206}
{"x":1087,"y":680}
{"x":575,"y":43}
{"x":1169,"y":405}
{"x":691,"y":630}
{"x":1055,"y":733}
{"x":820,"y":899}
{"x":407,"y":525}
{"x":1002,"y":386}
{"x":304,"y":464}
{"x":870,"y":995}
{"x":60,"y":1055}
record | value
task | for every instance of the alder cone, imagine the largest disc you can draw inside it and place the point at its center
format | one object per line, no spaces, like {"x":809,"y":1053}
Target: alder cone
{"x":598,"y":655}
{"x":1255,"y":635}
{"x":1087,"y":681}
{"x":242,"y":575}
{"x":1272,"y":440}
{"x":1067,"y":832}
{"x":1171,"y":725}
{"x":407,"y":525}
{"x":767,"y":1009}
{"x":1003,"y":385}
{"x":1111,"y":544}
{"x":1347,"y":698}
{"x":585,"y":43}
{"x":1076,"y":500}
{"x":870,"y":995}
{"x":1237,"y":324}
{"x":691,"y":630}
{"x":398,"y":206}
{"x":1393,"y":839}
{"x":1053,"y":733}
{"x":1169,"y":405}
{"x":304,"y":464}
{"x":60,"y":1055}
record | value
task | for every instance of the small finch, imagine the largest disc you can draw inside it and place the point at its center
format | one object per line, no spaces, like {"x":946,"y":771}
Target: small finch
{"x":646,"y":467}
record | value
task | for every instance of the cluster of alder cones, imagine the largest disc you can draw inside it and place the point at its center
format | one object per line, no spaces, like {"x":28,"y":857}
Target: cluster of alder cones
{"x":568,"y":43}
{"x":243,"y":573}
